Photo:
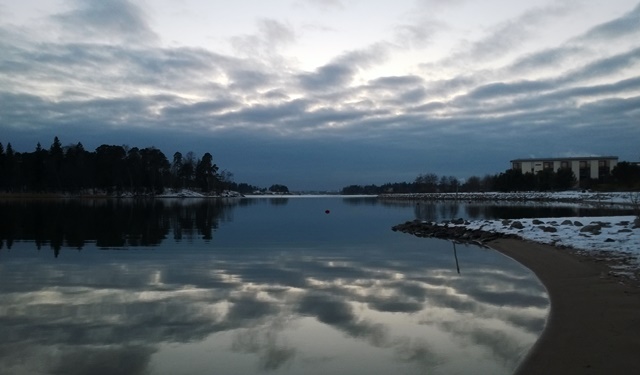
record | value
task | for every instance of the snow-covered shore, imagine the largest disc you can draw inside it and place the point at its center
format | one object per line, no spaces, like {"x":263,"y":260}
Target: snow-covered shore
{"x":614,"y":240}
{"x":587,"y":197}
{"x":186,"y":193}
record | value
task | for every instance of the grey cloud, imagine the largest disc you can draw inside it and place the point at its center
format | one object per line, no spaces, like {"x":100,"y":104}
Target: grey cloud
{"x":247,"y":79}
{"x":423,"y":24}
{"x":560,"y":106}
{"x":604,"y":67}
{"x":498,"y":89}
{"x":412,"y":96}
{"x":418,"y":34}
{"x":548,"y":58}
{"x":328,"y":77}
{"x":267,"y":115}
{"x":126,"y":89}
{"x":107,"y":19}
{"x":622,"y":27}
{"x":200,"y":109}
{"x":390,"y":82}
{"x":578,"y":48}
{"x":265,"y":44}
{"x":340,"y":72}
{"x":276,"y":94}
{"x":276,"y":33}
{"x":505,"y":38}
{"x":97,"y":68}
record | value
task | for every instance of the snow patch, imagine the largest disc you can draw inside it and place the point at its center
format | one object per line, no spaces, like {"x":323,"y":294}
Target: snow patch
{"x":614,"y":239}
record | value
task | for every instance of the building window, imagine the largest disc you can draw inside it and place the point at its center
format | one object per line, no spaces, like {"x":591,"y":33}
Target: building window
{"x":547,"y":165}
{"x":564,"y":164}
{"x":517,"y":166}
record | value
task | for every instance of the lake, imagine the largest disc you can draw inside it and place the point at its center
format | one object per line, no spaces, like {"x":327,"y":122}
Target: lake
{"x":312,"y":285}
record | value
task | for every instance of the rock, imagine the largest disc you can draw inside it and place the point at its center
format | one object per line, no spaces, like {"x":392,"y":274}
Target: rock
{"x":459,"y":221}
{"x":625,"y":230}
{"x":548,"y":229}
{"x":537,"y":222}
{"x":517,"y":225}
{"x":577,"y":223}
{"x":591,"y":228}
{"x":567,"y":222}
{"x":609,"y":240}
{"x":602,"y":224}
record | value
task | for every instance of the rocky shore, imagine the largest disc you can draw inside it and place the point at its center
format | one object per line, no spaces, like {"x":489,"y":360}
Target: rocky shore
{"x":586,"y":197}
{"x":455,"y":230}
{"x":614,"y":241}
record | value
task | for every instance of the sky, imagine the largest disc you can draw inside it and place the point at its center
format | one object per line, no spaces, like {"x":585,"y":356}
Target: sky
{"x":322,"y":94}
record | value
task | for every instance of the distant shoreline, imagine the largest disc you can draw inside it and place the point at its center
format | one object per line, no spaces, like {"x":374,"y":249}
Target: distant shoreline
{"x":609,"y":198}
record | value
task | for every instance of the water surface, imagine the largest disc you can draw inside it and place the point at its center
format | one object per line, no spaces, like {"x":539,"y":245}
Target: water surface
{"x":253,"y":286}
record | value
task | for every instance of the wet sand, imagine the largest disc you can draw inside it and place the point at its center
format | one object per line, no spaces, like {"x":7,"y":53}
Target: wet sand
{"x":594,"y":322}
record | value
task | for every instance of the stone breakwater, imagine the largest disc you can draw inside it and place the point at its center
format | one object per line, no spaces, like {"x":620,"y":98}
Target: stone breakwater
{"x":454,"y":230}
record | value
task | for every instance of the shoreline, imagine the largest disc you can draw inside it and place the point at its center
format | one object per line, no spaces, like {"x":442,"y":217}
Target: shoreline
{"x":594,"y":319}
{"x":599,"y":198}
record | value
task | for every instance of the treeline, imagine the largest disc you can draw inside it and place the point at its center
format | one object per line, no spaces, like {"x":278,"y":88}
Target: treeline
{"x":624,"y":176}
{"x":110,"y":169}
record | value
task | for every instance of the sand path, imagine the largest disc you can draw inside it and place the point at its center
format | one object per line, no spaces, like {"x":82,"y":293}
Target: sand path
{"x":594,"y":322}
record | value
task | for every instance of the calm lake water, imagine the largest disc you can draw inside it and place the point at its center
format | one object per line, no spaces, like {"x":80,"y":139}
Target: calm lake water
{"x":257,"y":286}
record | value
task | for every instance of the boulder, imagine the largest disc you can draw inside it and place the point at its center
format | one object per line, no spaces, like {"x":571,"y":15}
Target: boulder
{"x":591,"y":228}
{"x":517,"y":225}
{"x":548,"y":229}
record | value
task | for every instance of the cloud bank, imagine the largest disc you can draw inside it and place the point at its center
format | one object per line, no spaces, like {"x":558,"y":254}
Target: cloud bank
{"x":377,"y":112}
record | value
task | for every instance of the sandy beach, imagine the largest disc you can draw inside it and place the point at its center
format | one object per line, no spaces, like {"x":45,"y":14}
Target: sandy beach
{"x":594,"y":322}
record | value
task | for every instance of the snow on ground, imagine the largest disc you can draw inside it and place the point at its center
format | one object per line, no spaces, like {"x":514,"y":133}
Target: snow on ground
{"x":614,"y":239}
{"x":186,"y":193}
{"x":624,"y":198}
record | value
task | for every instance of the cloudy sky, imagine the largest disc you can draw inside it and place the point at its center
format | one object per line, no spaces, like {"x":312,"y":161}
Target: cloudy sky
{"x":320,"y":94}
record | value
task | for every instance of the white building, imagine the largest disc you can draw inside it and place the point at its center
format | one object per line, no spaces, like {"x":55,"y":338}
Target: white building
{"x":594,"y":167}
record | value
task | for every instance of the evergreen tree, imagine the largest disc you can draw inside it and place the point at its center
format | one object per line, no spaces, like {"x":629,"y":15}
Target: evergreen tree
{"x":207,"y":173}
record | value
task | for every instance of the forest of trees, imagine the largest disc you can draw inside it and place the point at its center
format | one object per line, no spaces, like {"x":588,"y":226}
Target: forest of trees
{"x":110,"y":169}
{"x":624,"y":176}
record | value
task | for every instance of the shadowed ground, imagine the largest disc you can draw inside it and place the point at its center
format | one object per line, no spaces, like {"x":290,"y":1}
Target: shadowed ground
{"x":594,"y":323}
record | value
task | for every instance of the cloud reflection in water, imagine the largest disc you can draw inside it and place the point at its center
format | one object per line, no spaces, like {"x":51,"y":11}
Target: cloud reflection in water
{"x":373,"y":309}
